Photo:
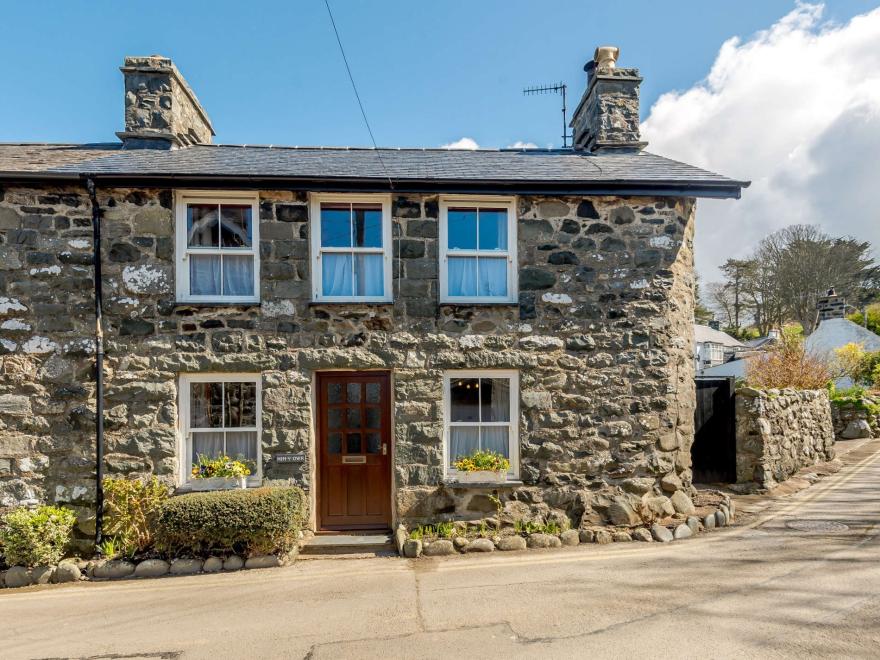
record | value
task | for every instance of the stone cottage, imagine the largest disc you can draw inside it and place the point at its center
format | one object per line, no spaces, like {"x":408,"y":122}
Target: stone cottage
{"x":353,"y":320}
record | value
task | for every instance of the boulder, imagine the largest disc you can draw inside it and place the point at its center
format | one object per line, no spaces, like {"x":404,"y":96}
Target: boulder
{"x":212,"y":565}
{"x":857,"y":428}
{"x":150,"y":568}
{"x":233,"y":563}
{"x":113,"y":569}
{"x":621,"y":513}
{"x":661,"y":533}
{"x":659,"y":505}
{"x":709,"y":521}
{"x":400,"y":537}
{"x":642,"y":534}
{"x":621,"y":536}
{"x":731,"y":506}
{"x":460,"y":542}
{"x":587,"y":536}
{"x":412,"y":548}
{"x":186,"y":566}
{"x":480,"y":545}
{"x":264,"y":561}
{"x":682,"y":503}
{"x":17,"y":576}
{"x":67,"y":571}
{"x":543,"y":541}
{"x":570,"y":537}
{"x":603,"y":537}
{"x":438,"y":548}
{"x":694,"y":523}
{"x":720,"y":518}
{"x":511,"y":543}
{"x":42,"y":574}
{"x":682,"y":532}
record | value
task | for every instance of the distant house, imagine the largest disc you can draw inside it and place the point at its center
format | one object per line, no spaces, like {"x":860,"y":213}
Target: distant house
{"x":713,"y":347}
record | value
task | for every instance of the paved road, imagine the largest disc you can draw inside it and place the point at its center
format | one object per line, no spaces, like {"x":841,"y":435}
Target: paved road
{"x":787,"y":585}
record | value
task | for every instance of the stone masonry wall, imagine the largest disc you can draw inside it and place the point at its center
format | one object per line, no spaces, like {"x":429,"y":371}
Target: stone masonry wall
{"x":601,"y":336}
{"x":780,"y":431}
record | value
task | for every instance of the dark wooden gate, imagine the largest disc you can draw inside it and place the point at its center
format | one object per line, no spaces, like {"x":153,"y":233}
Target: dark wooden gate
{"x":714,"y":450}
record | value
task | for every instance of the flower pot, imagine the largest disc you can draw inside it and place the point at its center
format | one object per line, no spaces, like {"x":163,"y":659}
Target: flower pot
{"x":218,"y":483}
{"x":482,"y":476}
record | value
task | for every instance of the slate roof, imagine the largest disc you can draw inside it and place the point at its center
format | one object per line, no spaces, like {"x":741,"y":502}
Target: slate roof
{"x":537,"y":170}
{"x":704,"y":334}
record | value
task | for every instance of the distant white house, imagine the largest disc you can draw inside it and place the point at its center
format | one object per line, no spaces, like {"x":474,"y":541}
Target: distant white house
{"x":713,"y":347}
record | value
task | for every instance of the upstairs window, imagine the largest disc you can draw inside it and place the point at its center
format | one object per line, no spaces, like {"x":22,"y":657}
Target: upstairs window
{"x":351,"y":240}
{"x":478,"y":250}
{"x":217,"y":249}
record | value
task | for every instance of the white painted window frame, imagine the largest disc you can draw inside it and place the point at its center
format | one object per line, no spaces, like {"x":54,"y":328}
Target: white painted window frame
{"x":513,"y":425}
{"x":315,"y":201}
{"x":182,"y":250}
{"x":512,"y":270}
{"x":184,"y":448}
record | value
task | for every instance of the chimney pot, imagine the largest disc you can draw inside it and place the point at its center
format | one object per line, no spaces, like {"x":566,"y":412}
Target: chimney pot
{"x":605,"y":57}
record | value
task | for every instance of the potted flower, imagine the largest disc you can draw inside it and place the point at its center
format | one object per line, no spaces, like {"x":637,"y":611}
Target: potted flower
{"x":482,"y":466}
{"x":219,"y":473}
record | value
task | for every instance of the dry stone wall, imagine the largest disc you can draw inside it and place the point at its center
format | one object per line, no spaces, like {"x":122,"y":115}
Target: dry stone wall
{"x":601,"y":335}
{"x":780,"y":431}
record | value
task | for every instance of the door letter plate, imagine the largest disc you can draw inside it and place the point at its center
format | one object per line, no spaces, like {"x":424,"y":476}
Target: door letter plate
{"x":354,"y":459}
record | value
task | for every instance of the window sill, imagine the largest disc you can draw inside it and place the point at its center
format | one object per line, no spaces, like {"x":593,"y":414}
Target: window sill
{"x":349,"y":303}
{"x":185,"y":488}
{"x":500,"y":303}
{"x":452,"y":482}
{"x":183,"y":303}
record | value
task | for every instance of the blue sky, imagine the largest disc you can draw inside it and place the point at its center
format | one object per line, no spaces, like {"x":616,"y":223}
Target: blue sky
{"x":429,"y":72}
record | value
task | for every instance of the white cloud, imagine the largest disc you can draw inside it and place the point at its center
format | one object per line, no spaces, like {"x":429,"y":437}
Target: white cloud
{"x":796,"y":110}
{"x":463,"y":143}
{"x":519,"y":144}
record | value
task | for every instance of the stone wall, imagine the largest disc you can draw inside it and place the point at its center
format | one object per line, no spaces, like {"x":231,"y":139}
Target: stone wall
{"x":780,"y":431}
{"x":856,"y":419}
{"x":601,"y":336}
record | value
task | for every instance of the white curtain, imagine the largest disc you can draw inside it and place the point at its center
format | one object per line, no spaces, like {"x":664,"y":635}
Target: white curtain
{"x":493,"y":230}
{"x":493,"y":277}
{"x":369,"y":275}
{"x":242,"y":445}
{"x":204,"y":274}
{"x":336,"y":274}
{"x":494,"y":438}
{"x":463,"y":441}
{"x":462,"y":276}
{"x":238,"y":275}
{"x":206,"y":443}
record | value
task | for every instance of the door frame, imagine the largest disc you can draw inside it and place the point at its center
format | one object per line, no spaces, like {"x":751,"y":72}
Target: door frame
{"x":317,"y":428}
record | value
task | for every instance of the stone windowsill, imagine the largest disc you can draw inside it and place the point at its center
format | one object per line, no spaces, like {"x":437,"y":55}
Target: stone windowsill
{"x":349,"y":303}
{"x":179,"y":303}
{"x":512,"y":305}
{"x":483,"y":485}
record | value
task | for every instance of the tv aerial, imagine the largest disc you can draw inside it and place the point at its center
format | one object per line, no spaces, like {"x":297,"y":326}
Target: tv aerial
{"x":558,"y":88}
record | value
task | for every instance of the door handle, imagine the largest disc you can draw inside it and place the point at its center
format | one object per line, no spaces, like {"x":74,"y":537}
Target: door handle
{"x":384,"y":449}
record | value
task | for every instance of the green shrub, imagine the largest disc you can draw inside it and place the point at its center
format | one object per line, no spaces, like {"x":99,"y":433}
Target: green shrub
{"x":257,"y":521}
{"x":131,"y":507}
{"x":36,"y":537}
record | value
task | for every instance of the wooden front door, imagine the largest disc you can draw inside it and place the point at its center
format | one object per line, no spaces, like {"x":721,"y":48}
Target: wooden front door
{"x":354,"y":450}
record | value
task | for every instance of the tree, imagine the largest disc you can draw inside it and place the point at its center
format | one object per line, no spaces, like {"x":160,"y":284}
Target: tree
{"x":735,"y":272}
{"x":702,"y":314}
{"x":720,"y":297}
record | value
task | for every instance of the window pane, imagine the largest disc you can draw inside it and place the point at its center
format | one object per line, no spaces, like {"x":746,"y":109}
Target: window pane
{"x":204,"y":274}
{"x":336,"y":274}
{"x":352,"y":443}
{"x":495,"y":399}
{"x":493,"y":229}
{"x":238,"y":275}
{"x":207,"y":444}
{"x":462,"y":273}
{"x":334,"y":443}
{"x":335,"y":225}
{"x":494,"y":438}
{"x":464,"y":399}
{"x":353,"y":392}
{"x":201,"y":225}
{"x":374,"y":443}
{"x":373,"y":392}
{"x":463,"y":441}
{"x":354,"y":418}
{"x":334,"y":393}
{"x":241,"y":404}
{"x":235,"y":226}
{"x":242,"y":446}
{"x":334,"y":418}
{"x":367,"y":228}
{"x":205,"y":405}
{"x":369,"y":276}
{"x":462,"y":229}
{"x":373,"y":418}
{"x":493,"y":277}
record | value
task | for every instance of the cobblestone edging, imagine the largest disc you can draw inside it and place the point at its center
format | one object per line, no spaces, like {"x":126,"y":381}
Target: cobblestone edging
{"x":76,"y":570}
{"x":722,"y":516}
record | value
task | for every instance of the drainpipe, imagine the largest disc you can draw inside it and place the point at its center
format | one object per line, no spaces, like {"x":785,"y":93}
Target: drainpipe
{"x":99,"y":365}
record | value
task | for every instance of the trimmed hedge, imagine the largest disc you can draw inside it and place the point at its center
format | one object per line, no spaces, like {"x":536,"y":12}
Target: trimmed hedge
{"x":248,"y":521}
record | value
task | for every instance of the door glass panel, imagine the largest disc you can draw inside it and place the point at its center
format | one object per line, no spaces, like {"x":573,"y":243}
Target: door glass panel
{"x":206,"y":405}
{"x":334,"y":393}
{"x":334,"y":418}
{"x":373,"y":392}
{"x":354,"y":418}
{"x":334,"y":443}
{"x":353,"y":443}
{"x":374,"y":443}
{"x":353,"y":392}
{"x":464,"y":396}
{"x":373,"y":418}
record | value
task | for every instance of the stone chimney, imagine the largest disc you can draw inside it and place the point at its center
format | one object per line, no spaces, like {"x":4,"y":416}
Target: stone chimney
{"x":830,"y":306}
{"x":607,"y":118}
{"x":161,"y":111}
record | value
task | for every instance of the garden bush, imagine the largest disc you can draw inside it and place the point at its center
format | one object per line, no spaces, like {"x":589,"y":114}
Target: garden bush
{"x":248,"y":521}
{"x":35,"y":537}
{"x":788,"y":364}
{"x":132,"y":506}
